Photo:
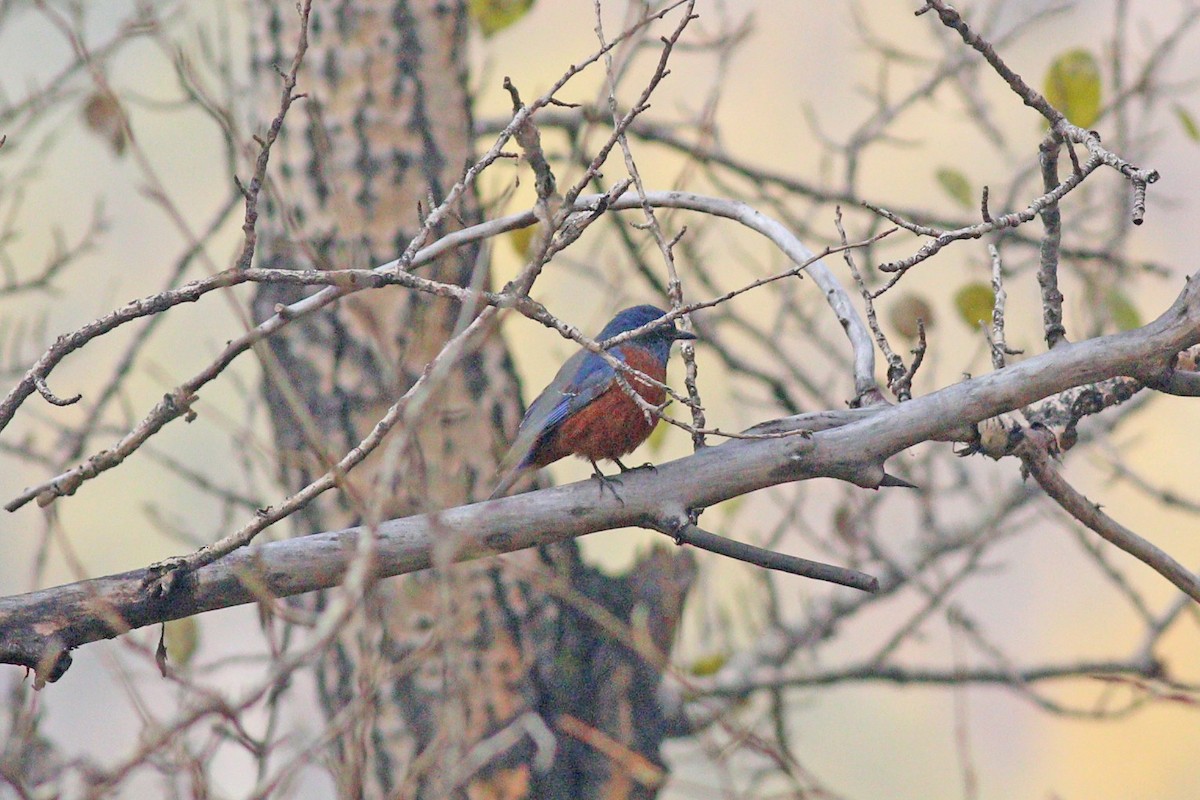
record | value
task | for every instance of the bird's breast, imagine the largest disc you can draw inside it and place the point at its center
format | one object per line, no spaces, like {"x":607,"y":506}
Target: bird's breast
{"x":613,"y":424}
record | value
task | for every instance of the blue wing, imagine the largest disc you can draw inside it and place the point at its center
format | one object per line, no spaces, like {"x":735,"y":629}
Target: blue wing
{"x":581,"y":380}
{"x":584,"y":377}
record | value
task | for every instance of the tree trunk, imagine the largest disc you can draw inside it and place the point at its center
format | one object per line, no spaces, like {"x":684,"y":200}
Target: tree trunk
{"x":437,"y":665}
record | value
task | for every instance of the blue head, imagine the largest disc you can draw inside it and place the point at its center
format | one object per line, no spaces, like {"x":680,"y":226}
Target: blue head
{"x":657,"y":341}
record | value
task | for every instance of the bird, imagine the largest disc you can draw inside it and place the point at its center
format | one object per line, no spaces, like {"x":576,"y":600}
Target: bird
{"x":585,"y":411}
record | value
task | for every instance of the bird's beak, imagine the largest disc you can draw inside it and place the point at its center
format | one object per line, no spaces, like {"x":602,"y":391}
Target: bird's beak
{"x":683,"y":335}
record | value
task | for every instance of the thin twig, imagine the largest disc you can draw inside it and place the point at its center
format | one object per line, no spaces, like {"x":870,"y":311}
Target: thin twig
{"x":1035,"y":455}
{"x":252,"y":190}
{"x":894,"y":361}
{"x":999,"y":347}
{"x":770,"y":559}
{"x":1047,"y":275}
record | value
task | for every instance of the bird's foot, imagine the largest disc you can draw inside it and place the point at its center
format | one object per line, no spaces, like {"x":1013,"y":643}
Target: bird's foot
{"x":608,"y":482}
{"x":625,"y":469}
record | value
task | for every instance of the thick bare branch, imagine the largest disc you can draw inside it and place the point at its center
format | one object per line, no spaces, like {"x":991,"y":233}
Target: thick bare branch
{"x":38,"y":629}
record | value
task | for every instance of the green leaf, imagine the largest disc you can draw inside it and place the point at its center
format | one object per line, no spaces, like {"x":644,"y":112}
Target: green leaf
{"x":974,"y":303}
{"x":658,"y":437}
{"x":496,"y":15}
{"x":520,"y":239}
{"x":956,"y":185}
{"x":1188,"y":122}
{"x":1073,"y":87}
{"x":707,"y":665}
{"x":1122,"y":310}
{"x":182,"y":638}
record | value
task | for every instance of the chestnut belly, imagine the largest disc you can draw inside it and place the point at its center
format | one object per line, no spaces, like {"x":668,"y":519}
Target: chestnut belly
{"x":609,"y":427}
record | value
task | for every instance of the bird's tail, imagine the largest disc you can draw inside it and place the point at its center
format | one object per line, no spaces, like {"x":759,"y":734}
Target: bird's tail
{"x":506,"y":483}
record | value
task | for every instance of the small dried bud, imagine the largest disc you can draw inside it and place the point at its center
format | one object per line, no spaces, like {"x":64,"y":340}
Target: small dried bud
{"x":104,"y":116}
{"x":905,"y":312}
